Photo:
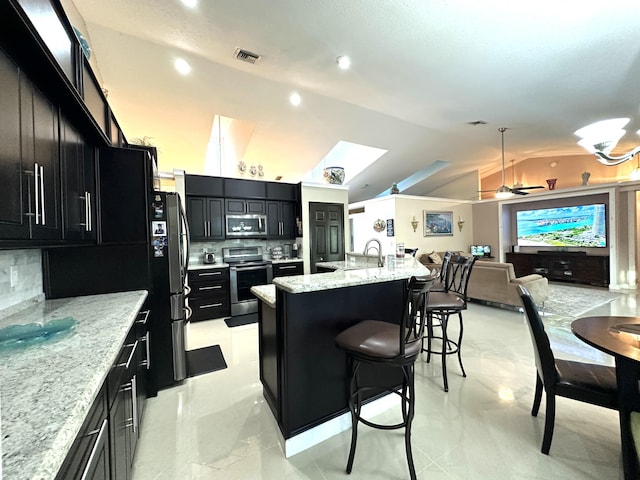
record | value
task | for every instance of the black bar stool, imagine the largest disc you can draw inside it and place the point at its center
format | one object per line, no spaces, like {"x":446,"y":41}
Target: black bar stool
{"x":388,"y":344}
{"x":441,"y":304}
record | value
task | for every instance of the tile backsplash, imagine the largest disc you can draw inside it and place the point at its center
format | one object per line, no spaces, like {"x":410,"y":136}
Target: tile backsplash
{"x":27,"y":268}
{"x":197,"y":249}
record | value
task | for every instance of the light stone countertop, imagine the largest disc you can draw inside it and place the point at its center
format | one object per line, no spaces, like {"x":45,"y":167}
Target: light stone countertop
{"x":266,"y":293}
{"x":46,"y":390}
{"x":349,"y":274}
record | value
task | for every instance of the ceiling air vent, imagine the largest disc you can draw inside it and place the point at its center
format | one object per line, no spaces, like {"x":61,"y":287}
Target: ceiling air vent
{"x":246,"y":56}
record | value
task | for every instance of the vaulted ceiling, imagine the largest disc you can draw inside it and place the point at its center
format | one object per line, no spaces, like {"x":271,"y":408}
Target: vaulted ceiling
{"x":422,"y":70}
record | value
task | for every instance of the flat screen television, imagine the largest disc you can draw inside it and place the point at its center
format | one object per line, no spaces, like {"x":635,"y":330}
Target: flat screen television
{"x":481,"y":250}
{"x":577,"y":226}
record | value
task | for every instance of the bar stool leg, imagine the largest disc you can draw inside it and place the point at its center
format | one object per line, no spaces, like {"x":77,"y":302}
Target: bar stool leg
{"x":410,"y":400}
{"x":464,"y":374}
{"x":429,"y":335}
{"x":355,"y":411}
{"x":445,"y":341}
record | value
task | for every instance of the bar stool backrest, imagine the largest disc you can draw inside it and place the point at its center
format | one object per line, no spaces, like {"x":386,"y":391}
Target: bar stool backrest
{"x":413,"y":320}
{"x":457,"y":275}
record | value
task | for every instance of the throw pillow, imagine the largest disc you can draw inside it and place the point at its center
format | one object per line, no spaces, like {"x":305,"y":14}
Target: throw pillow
{"x":435,"y":257}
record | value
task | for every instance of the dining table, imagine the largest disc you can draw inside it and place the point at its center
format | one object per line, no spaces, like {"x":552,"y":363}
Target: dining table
{"x":620,"y":337}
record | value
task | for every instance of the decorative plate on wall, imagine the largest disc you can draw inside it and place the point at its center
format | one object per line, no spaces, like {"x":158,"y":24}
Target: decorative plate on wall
{"x":379,"y":225}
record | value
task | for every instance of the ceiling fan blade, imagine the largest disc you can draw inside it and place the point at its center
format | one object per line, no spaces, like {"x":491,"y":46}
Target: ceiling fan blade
{"x":528,"y":188}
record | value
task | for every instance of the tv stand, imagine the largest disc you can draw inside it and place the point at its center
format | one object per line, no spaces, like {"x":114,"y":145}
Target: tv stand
{"x":575,"y":267}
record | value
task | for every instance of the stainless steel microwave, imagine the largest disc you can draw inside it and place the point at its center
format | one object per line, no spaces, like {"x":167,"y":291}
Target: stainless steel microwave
{"x":246,"y":225}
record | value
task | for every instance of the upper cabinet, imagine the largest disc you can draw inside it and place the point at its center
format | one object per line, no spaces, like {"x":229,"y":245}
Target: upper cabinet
{"x":77,"y":168}
{"x":239,"y":188}
{"x":29,"y":159}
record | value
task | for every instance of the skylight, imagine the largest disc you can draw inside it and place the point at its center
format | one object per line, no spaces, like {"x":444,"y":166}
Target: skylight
{"x":417,"y":177}
{"x":353,"y":157}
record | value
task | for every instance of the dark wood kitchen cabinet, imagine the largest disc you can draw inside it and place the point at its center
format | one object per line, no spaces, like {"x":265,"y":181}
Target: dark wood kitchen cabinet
{"x":77,"y":167}
{"x":240,"y":188}
{"x":281,"y":220}
{"x":286,"y":269}
{"x":29,"y":159}
{"x":88,"y":457}
{"x":210,"y":295}
{"x":240,"y":206}
{"x":206,"y":218}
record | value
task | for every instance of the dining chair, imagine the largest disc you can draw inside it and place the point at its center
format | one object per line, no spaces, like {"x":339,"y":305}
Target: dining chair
{"x":585,"y":382}
{"x":387,"y":344}
{"x":452,"y":299}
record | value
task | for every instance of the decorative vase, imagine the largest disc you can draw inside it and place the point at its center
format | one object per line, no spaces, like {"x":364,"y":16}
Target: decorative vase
{"x":334,"y":175}
{"x":394,"y":189}
{"x":552,"y":183}
{"x":585,"y":178}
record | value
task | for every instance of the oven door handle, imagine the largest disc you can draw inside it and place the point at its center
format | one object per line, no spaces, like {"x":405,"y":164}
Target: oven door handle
{"x":245,"y":269}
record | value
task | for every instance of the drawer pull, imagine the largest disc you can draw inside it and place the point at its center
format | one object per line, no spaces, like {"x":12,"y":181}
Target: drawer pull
{"x":216,"y":287}
{"x":145,"y":316}
{"x":133,"y":351}
{"x":288,"y":267}
{"x":209,"y":274}
{"x":102,"y":435}
{"x":211,"y":305}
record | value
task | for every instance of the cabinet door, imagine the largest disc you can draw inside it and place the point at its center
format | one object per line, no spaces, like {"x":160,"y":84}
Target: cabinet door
{"x":255,"y":206}
{"x":234,"y":206}
{"x":14,"y":222}
{"x":46,"y":224}
{"x":288,"y":219}
{"x":215,"y":216}
{"x":119,"y":434}
{"x":197,"y":217}
{"x":74,"y":210}
{"x":273,"y":219}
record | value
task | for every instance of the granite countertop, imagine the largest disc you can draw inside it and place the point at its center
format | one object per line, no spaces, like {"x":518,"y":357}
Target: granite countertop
{"x":266,"y":293}
{"x":47,"y":389}
{"x":349,"y":274}
{"x":287,"y":260}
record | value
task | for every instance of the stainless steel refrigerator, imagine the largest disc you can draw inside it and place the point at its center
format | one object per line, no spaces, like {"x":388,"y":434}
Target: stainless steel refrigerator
{"x":168,"y":257}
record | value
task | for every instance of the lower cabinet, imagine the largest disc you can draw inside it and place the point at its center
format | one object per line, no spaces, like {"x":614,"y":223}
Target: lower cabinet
{"x":210,"y":295}
{"x":89,"y":455}
{"x":105,"y":446}
{"x":287,"y":269}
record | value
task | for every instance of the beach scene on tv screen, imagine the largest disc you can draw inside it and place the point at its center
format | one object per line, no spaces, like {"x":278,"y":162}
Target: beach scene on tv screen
{"x":577,"y":226}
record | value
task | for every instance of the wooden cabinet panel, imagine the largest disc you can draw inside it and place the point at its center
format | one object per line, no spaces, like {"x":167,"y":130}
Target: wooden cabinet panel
{"x":206,"y":218}
{"x":239,"y":188}
{"x":204,"y":186}
{"x":563,"y":266}
{"x":287,"y":269}
{"x":281,"y":219}
{"x":14,"y":222}
{"x":210,"y":293}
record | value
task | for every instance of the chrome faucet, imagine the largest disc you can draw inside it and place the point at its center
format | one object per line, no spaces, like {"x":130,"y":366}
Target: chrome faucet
{"x":378,"y":248}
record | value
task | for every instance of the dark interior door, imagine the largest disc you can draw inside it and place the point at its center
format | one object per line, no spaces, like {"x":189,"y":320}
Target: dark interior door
{"x":326,"y":227}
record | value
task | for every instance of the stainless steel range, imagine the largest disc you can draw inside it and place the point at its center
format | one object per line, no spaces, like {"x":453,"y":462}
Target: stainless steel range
{"x":246,"y":269}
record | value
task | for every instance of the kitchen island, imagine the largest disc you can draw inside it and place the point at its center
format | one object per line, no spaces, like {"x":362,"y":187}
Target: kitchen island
{"x":305,"y":377}
{"x":48,"y":388}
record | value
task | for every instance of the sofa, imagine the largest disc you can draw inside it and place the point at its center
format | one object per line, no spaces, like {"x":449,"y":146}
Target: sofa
{"x":495,"y":282}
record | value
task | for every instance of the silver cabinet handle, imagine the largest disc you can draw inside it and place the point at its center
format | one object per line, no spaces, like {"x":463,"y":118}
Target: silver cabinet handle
{"x":205,"y":228}
{"x":134,"y":397}
{"x":209,"y":274}
{"x":102,"y":435}
{"x":44,"y":217}
{"x":147,"y":345}
{"x":36,"y":184}
{"x":133,"y":351}
{"x":90,"y":216}
{"x":145,"y":317}
{"x":215,"y":287}
{"x":211,"y":305}
{"x":288,"y":267}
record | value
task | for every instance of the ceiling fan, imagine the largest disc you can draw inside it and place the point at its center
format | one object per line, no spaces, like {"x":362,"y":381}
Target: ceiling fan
{"x":503,"y":191}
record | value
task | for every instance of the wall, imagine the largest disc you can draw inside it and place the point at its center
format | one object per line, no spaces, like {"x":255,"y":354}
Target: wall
{"x":567,"y":169}
{"x":465,"y":187}
{"x":402,"y":209}
{"x":29,"y":287}
{"x":323,"y":194}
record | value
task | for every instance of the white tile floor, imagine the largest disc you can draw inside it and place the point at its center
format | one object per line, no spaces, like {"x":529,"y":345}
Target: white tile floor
{"x":217,"y":425}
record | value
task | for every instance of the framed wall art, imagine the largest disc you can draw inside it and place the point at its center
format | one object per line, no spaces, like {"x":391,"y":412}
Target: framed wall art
{"x":437,"y":223}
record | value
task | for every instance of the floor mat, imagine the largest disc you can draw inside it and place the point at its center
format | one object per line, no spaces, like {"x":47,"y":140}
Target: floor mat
{"x":205,"y":360}
{"x":241,"y":320}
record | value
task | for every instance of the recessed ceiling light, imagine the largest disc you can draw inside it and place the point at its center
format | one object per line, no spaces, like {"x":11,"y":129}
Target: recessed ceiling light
{"x":295,"y":99}
{"x":344,"y":62}
{"x":190,"y":3}
{"x":182,"y":66}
